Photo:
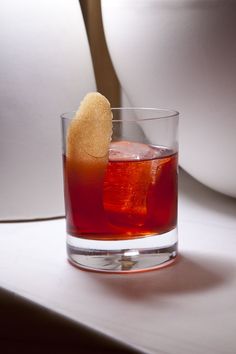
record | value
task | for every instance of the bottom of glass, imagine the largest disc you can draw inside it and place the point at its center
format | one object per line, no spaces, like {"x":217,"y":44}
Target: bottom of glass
{"x":129,"y":256}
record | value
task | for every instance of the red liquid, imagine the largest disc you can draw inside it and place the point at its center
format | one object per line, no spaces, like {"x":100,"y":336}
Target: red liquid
{"x":137,"y":196}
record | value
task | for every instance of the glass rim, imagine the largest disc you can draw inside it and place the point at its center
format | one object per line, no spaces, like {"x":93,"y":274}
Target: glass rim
{"x":166,"y":113}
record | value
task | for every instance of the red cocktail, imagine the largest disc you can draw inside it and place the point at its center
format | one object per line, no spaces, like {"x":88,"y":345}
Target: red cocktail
{"x":137,"y":198}
{"x":121,"y":207}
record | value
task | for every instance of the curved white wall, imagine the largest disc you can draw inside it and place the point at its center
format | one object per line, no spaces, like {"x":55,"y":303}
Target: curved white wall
{"x":181,"y":54}
{"x":45,"y":69}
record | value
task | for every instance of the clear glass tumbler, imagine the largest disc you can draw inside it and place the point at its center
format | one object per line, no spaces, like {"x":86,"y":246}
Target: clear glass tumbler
{"x":126,"y":221}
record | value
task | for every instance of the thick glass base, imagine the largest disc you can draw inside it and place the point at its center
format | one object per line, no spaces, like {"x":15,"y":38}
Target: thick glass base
{"x":127,"y":256}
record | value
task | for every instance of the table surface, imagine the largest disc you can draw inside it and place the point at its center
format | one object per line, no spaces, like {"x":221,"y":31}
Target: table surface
{"x":189,"y":307}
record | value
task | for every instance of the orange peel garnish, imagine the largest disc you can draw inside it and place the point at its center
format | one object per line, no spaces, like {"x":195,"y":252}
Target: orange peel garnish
{"x":90,"y":131}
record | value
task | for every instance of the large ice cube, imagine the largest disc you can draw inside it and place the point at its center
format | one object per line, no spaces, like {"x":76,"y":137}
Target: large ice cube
{"x":126,"y":150}
{"x":130,"y":172}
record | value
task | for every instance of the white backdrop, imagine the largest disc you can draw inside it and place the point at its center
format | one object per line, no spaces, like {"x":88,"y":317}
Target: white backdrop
{"x":181,"y":54}
{"x":45,"y":70}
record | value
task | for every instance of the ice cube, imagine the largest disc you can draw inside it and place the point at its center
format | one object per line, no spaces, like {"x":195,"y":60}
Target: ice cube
{"x":126,"y":150}
{"x":128,"y":178}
